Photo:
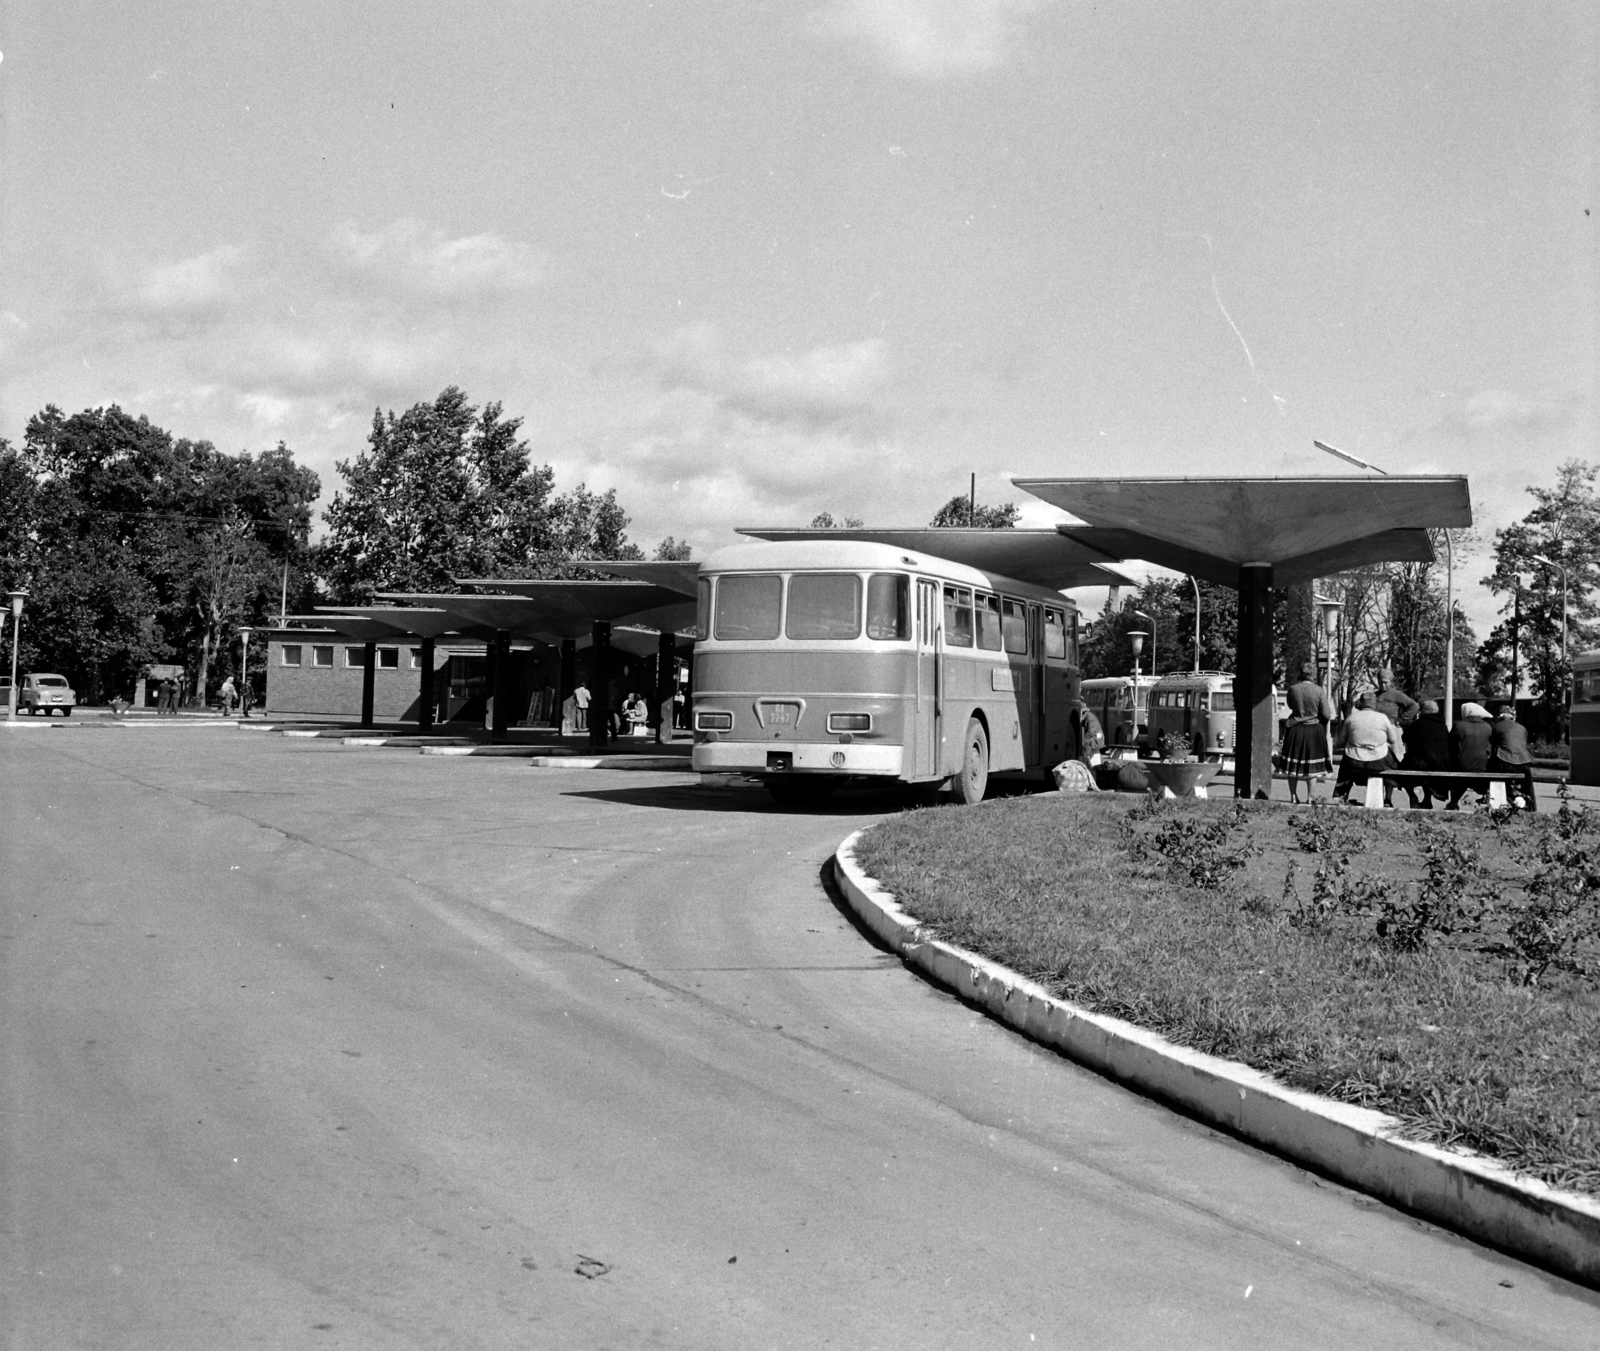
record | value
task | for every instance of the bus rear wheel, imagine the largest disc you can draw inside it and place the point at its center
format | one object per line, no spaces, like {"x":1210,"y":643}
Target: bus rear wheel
{"x":800,"y":792}
{"x":973,"y":780}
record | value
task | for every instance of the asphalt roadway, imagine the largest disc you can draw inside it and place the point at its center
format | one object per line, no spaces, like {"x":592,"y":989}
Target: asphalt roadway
{"x":310,"y":1046}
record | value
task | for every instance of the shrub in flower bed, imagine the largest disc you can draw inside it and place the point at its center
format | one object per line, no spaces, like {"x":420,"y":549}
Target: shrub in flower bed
{"x":1441,"y":967}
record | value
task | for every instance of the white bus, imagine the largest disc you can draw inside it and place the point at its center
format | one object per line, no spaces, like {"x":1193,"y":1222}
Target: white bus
{"x":820,"y":661}
{"x":1122,"y":705}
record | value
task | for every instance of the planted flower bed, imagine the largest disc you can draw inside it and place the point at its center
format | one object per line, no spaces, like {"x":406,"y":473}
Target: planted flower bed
{"x":1443,"y":968}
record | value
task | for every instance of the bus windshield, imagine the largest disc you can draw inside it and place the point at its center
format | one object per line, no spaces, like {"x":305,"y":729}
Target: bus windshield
{"x":824,"y":605}
{"x":748,"y":606}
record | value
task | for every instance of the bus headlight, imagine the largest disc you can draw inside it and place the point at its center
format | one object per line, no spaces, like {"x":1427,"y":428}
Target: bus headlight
{"x":709,"y":720}
{"x":849,"y":722}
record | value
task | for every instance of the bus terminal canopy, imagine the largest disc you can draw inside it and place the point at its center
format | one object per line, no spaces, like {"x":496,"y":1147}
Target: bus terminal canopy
{"x":1040,"y":557}
{"x":1300,"y":527}
{"x":1256,"y":534}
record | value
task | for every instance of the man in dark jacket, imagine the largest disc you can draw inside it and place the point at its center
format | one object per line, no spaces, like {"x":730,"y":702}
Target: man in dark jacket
{"x":1469,"y":750}
{"x":1509,"y":753}
{"x":1427,"y":747}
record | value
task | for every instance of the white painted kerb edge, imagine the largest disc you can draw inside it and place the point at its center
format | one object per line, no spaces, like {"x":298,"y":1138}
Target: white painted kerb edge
{"x":1475,"y":1196}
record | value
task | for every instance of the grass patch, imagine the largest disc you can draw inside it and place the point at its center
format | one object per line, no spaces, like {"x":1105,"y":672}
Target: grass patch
{"x":1442,"y":968}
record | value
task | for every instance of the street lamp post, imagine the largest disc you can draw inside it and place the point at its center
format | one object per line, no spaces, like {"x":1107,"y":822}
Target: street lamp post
{"x":16,"y":597}
{"x":1140,"y":614}
{"x":244,"y":669}
{"x":1137,"y":637}
{"x":1196,"y":586}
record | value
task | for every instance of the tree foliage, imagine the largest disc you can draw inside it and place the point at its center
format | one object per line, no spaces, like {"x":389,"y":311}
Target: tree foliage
{"x":961,"y":511}
{"x":445,"y":490}
{"x":1563,"y":528}
{"x":138,"y":547}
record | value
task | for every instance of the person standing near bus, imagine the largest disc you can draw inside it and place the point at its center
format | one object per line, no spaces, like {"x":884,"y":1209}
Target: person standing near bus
{"x":580,"y":698}
{"x":1305,"y":737}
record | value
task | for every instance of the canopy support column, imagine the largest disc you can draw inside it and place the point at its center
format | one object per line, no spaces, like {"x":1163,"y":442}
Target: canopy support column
{"x":666,"y":683}
{"x":1255,"y":711}
{"x":425,"y":688}
{"x":500,"y":685}
{"x":369,"y":663}
{"x":567,"y":681}
{"x":600,"y":684}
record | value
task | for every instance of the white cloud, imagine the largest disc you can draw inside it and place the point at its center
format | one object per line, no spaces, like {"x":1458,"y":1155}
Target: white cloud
{"x":190,"y":286}
{"x":823,"y":386}
{"x":930,"y":38}
{"x":407,"y":253}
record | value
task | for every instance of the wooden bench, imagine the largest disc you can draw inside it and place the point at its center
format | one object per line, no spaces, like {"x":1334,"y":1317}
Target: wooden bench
{"x":1497,"y":779}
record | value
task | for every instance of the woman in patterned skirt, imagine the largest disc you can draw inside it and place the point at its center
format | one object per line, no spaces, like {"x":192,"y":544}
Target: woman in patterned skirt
{"x":1305,"y":737}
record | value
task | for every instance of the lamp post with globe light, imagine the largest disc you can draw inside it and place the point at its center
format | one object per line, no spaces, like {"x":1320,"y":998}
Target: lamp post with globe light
{"x":1137,"y":637}
{"x":16,"y":597}
{"x":244,"y":669}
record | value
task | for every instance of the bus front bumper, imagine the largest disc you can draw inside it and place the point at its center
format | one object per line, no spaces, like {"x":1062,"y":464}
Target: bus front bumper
{"x":796,"y":757}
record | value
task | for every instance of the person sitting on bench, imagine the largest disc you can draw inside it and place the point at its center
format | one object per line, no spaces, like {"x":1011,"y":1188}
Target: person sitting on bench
{"x":1469,"y":751}
{"x":1509,"y":753}
{"x":1371,"y":744}
{"x":1427,"y":747}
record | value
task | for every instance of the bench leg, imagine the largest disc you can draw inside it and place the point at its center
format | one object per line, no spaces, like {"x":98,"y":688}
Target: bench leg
{"x":1497,"y":792}
{"x":1375,"y":792}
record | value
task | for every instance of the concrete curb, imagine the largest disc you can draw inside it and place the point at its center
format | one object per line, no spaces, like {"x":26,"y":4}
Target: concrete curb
{"x":1474,"y":1196}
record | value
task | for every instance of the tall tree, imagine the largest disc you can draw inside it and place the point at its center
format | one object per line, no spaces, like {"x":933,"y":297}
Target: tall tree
{"x":1562,"y":530}
{"x":445,"y":490}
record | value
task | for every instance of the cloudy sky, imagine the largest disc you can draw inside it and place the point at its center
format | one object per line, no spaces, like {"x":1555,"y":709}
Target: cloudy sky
{"x":748,"y":261}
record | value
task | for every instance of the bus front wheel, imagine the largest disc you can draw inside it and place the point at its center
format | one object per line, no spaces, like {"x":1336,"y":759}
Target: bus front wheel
{"x":973,"y":780}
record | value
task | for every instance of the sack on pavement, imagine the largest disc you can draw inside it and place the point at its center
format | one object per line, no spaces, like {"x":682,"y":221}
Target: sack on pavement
{"x":1073,"y":776}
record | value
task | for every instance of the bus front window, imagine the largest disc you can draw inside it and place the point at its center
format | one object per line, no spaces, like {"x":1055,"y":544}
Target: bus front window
{"x":824,"y":605}
{"x":747,"y":607}
{"x":888,"y":607}
{"x":702,"y":609}
{"x":957,"y":616}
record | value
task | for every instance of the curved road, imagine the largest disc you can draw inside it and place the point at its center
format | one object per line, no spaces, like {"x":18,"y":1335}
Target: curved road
{"x":306,"y":1045}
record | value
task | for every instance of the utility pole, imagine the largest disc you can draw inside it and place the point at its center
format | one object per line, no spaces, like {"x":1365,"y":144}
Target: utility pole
{"x":972,"y":501}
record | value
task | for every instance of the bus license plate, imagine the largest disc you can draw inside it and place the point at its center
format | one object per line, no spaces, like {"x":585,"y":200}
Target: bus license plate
{"x":779,"y":715}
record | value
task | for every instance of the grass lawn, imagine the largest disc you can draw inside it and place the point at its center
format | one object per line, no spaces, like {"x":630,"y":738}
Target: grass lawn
{"x":1441,"y":967}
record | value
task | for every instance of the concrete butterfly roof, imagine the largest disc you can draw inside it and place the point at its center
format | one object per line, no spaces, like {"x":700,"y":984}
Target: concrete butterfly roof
{"x":1302,"y":527}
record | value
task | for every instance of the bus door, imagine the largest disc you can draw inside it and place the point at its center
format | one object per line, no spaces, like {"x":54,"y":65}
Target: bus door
{"x":1059,"y":739}
{"x":1038,"y":749}
{"x":930,"y":683}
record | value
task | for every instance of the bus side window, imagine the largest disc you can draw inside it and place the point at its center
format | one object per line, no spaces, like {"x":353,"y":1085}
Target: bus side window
{"x":957,"y":616}
{"x":1015,"y":624}
{"x":1055,"y":633}
{"x":888,"y":607}
{"x":988,"y":623}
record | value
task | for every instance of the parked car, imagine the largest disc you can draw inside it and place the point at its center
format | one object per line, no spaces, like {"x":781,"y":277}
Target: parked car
{"x":44,"y":692}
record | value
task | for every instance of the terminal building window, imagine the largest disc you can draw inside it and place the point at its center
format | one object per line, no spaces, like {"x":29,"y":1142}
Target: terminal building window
{"x":289,"y":654}
{"x":388,"y":658}
{"x":355,"y":656}
{"x":416,"y":659}
{"x":322,"y":655}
